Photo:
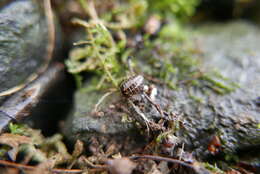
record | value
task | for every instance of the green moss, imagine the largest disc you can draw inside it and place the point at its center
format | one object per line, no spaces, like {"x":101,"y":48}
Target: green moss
{"x":182,"y":9}
{"x":213,"y":168}
{"x":231,"y":158}
{"x":78,"y":80}
{"x":17,"y":129}
{"x":170,"y":56}
{"x":98,"y":55}
{"x":216,"y":85}
{"x":162,"y":136}
{"x":3,"y":150}
{"x":196,"y":99}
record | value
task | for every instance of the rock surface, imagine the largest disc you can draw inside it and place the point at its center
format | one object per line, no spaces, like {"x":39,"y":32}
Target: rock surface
{"x":231,"y":48}
{"x":28,"y":100}
{"x":108,"y":124}
{"x":23,"y":41}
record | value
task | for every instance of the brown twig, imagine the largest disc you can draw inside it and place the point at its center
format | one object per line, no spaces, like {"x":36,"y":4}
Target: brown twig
{"x":95,"y":166}
{"x":12,"y":90}
{"x":28,"y":167}
{"x":100,"y":101}
{"x":51,"y":32}
{"x":89,"y":8}
{"x":158,"y":108}
{"x":160,"y":158}
{"x":153,"y":79}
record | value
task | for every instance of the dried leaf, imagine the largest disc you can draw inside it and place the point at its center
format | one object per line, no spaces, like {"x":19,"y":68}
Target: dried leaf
{"x":14,"y":141}
{"x":214,"y":145}
{"x":32,"y":153}
{"x":44,"y":168}
{"x":154,"y":170}
{"x":78,"y":148}
{"x":121,"y":166}
{"x":54,"y":145}
{"x":163,"y":167}
{"x":111,"y":149}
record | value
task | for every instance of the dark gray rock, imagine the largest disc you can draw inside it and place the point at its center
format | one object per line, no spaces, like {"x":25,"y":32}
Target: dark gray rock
{"x":230,"y":48}
{"x":27,"y":101}
{"x":23,"y":41}
{"x":108,"y":124}
{"x":233,"y":50}
{"x":23,"y":54}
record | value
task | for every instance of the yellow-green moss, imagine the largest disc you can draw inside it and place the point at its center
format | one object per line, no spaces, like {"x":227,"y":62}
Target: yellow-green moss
{"x":168,"y":56}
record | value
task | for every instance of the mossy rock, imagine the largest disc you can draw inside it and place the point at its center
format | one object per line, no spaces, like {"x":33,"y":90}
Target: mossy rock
{"x":231,"y":49}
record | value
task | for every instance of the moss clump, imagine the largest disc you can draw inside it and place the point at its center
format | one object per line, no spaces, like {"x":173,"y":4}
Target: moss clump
{"x":213,"y":168}
{"x":103,"y":50}
{"x":167,"y":55}
{"x":98,"y":55}
{"x":173,"y":58}
{"x":182,"y":9}
{"x":17,"y":129}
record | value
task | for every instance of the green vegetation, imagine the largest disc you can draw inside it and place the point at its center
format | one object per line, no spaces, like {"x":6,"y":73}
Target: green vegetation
{"x":213,"y":168}
{"x":182,"y":9}
{"x":168,"y":55}
{"x":17,"y":129}
{"x":99,"y":54}
{"x":22,"y":139}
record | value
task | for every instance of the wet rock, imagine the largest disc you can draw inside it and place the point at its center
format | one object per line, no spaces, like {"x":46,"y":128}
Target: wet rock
{"x":230,"y":48}
{"x":23,"y":41}
{"x":23,"y":103}
{"x":106,"y":124}
{"x":24,"y":55}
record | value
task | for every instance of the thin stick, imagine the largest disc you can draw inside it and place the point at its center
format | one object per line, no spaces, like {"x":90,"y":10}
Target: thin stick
{"x":137,"y":110}
{"x":92,"y":10}
{"x":28,"y":167}
{"x":182,"y":147}
{"x":89,"y":8}
{"x":51,"y":35}
{"x":155,"y":105}
{"x":94,"y":165}
{"x":101,"y":100}
{"x":12,"y":90}
{"x":51,"y":30}
{"x":129,"y":63}
{"x":159,"y":158}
